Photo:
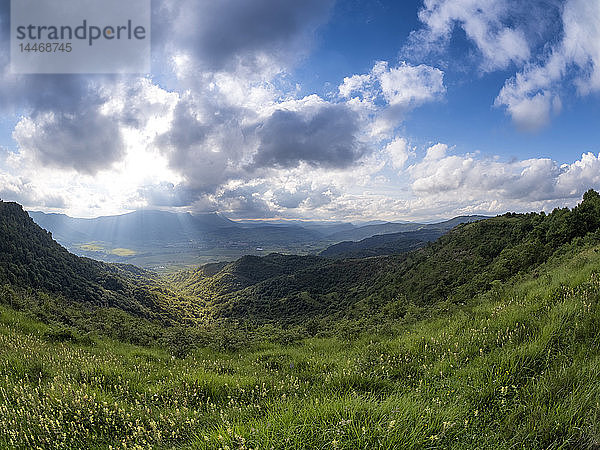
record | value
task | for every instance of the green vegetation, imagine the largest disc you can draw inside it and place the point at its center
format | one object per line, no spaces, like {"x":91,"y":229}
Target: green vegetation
{"x":487,"y":338}
{"x":100,"y":249}
{"x":516,"y":367}
{"x":91,"y":247}
{"x":320,"y":294}
{"x":123,"y":252}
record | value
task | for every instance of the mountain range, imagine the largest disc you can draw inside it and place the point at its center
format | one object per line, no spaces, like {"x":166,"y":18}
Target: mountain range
{"x":289,"y":288}
{"x":385,"y":241}
{"x":139,"y":227}
{"x":486,"y":337}
{"x":159,"y":238}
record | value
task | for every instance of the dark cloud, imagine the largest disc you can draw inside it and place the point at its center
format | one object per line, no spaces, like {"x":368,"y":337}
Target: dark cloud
{"x":167,"y":194}
{"x":205,"y":143}
{"x":244,"y":201}
{"x":186,"y":130}
{"x":288,"y":199}
{"x":327,"y":138}
{"x":63,"y":125}
{"x":86,"y":141}
{"x":226,"y":33}
{"x":209,"y":145}
{"x":303,"y":195}
{"x":4,"y":28}
{"x":16,"y":189}
{"x":75,"y":121}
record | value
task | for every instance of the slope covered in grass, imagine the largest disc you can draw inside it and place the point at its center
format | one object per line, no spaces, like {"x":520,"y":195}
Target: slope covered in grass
{"x":320,"y":292}
{"x":313,"y":294}
{"x":517,"y":367}
{"x":41,"y":277}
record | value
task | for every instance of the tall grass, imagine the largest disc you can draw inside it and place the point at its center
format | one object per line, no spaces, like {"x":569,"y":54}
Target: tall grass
{"x":518,"y":367}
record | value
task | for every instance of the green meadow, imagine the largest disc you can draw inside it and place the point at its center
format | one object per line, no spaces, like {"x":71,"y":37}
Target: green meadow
{"x":516,"y":367}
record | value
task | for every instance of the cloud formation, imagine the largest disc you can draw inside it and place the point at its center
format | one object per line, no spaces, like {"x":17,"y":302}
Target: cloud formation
{"x":229,"y":35}
{"x":86,"y":142}
{"x":533,"y":180}
{"x":554,"y":47}
{"x":18,"y":189}
{"x":483,"y":21}
{"x":534,"y":93}
{"x":404,"y":86}
{"x":390,"y":93}
{"x":223,"y":126}
{"x":325,"y":137}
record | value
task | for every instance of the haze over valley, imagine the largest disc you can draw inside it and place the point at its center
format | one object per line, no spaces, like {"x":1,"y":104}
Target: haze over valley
{"x":164,"y":241}
{"x":298,"y":225}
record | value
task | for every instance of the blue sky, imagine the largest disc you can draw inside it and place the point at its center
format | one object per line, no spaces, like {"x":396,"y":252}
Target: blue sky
{"x":331,"y":110}
{"x":360,"y":33}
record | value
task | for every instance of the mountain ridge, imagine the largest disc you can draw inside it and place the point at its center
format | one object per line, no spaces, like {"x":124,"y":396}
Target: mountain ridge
{"x":368,"y":231}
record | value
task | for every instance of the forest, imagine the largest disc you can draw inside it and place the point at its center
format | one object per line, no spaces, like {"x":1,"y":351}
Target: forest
{"x":484,"y":338}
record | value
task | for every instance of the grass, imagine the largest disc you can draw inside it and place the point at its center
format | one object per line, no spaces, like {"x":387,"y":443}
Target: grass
{"x":173,"y":259}
{"x":99,"y":248}
{"x":518,"y":367}
{"x":91,"y":247}
{"x":123,"y":252}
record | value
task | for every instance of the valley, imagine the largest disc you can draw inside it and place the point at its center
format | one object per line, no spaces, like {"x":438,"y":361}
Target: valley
{"x":483,"y":338}
{"x":175,"y":241}
{"x":300,"y":225}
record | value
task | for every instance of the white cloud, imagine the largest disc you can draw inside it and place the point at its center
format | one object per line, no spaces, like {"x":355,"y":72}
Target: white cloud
{"x":408,"y":85}
{"x":437,"y":151}
{"x":23,"y":191}
{"x":228,"y":130}
{"x":534,"y":92}
{"x":398,"y":151}
{"x":484,"y":23}
{"x":530,"y":113}
{"x":405,"y":85}
{"x":257,"y":38}
{"x":386,"y":94}
{"x":464,"y":179}
{"x":355,"y":83}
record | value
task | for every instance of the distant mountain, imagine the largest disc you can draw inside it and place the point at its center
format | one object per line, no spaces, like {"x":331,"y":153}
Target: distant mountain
{"x":325,"y":228}
{"x":261,"y":235}
{"x":31,"y":259}
{"x":464,"y":262}
{"x":149,"y":228}
{"x":161,"y":228}
{"x":368,"y":231}
{"x":383,"y":244}
{"x":138,"y":227}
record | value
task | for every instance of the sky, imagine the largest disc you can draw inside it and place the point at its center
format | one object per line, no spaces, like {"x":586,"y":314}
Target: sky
{"x":322,"y":110}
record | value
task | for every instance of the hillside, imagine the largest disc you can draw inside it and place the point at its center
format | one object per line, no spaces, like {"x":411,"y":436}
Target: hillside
{"x":465,"y":262}
{"x":383,"y":244}
{"x":215,"y":279}
{"x":485,"y":338}
{"x":305,"y":291}
{"x":368,"y":231}
{"x":513,"y":368}
{"x":39,"y":275}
